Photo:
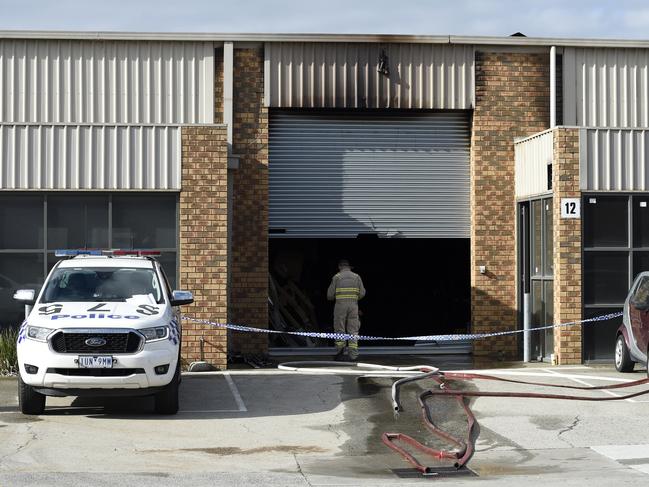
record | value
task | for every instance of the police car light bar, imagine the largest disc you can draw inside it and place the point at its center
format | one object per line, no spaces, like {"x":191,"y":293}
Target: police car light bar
{"x":74,"y":252}
{"x":116,"y":252}
{"x":139,"y":253}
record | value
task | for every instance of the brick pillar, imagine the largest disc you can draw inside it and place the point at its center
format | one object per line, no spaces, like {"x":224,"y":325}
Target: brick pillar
{"x":249,"y":262}
{"x":512,"y":100}
{"x":567,"y":247}
{"x":203,"y":239}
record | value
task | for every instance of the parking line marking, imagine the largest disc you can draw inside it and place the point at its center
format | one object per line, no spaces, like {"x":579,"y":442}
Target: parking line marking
{"x":522,"y":372}
{"x":235,"y":393}
{"x":584,"y":383}
{"x":208,"y":411}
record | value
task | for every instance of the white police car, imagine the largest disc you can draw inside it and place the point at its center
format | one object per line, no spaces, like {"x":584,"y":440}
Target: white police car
{"x":103,"y":324}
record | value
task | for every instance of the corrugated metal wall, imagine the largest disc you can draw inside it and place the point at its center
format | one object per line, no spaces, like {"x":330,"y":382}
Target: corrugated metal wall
{"x":335,"y":175}
{"x":614,"y":159}
{"x":73,"y":157}
{"x":532,"y":156}
{"x":345,"y":75}
{"x":606,"y":87}
{"x":116,"y":82}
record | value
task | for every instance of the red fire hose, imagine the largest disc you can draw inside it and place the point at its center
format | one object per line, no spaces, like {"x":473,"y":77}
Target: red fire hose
{"x":464,"y":448}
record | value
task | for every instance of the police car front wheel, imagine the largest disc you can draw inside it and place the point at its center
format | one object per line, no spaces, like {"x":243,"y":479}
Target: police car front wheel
{"x":166,"y":401}
{"x":30,"y":401}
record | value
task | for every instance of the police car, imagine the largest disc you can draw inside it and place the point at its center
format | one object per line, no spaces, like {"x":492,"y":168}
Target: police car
{"x":632,"y":340}
{"x":104,"y":323}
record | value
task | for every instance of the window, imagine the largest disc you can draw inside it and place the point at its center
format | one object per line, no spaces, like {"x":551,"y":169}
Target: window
{"x":616,"y":249}
{"x":548,"y":254}
{"x":641,"y":294}
{"x":17,"y":271}
{"x":33,"y":226}
{"x":537,"y":238}
{"x":144,"y":222}
{"x":640,"y":262}
{"x":103,"y":284}
{"x":599,"y":338}
{"x":606,"y":277}
{"x":21,"y":222}
{"x":77,"y":222}
{"x":606,"y":222}
{"x":641,"y":221}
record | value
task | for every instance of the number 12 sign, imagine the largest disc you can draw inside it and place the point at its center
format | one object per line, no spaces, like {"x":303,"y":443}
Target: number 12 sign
{"x":570,"y":208}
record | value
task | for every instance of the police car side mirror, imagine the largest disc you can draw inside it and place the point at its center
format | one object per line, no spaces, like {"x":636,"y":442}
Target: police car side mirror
{"x":25,"y":296}
{"x":178,"y":298}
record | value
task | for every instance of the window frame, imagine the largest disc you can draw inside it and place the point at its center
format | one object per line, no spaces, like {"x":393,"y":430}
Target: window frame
{"x":47,"y":253}
{"x":631,"y":250}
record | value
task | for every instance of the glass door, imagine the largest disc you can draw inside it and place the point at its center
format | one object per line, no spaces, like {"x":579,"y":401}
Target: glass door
{"x":537,"y":262}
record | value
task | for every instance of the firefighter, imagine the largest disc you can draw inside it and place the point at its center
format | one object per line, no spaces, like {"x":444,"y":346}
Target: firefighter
{"x":346,"y":289}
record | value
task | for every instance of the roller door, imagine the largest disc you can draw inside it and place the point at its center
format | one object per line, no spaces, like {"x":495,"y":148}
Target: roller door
{"x":394,"y":174}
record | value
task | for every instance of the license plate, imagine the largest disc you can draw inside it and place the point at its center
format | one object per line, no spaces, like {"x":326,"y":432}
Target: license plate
{"x":95,"y":361}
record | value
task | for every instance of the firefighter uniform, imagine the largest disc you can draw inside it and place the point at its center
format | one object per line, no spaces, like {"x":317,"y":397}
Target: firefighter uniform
{"x":346,"y":289}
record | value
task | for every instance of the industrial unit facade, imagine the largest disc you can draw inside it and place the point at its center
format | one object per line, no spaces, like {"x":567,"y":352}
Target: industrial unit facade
{"x":438,"y":165}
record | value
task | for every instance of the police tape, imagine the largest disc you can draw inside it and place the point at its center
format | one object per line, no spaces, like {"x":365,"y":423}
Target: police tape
{"x":426,"y":338}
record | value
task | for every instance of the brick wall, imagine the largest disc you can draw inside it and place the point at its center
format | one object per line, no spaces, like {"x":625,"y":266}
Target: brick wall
{"x":249,"y":260}
{"x":512,"y":100}
{"x":203,"y":239}
{"x":567,"y":247}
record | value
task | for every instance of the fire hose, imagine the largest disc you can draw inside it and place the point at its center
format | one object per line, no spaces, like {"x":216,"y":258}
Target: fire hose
{"x":462,"y":449}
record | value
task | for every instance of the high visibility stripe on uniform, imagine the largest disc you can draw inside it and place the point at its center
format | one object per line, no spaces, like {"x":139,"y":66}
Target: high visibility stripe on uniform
{"x":352,"y":344}
{"x":348,"y":292}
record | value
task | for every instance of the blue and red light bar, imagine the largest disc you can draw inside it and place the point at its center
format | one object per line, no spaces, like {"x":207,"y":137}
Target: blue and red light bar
{"x":137,"y":252}
{"x":74,"y":252}
{"x":115,"y":252}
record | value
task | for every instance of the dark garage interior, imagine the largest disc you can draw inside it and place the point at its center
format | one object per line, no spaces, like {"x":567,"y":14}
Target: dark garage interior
{"x":414,"y":286}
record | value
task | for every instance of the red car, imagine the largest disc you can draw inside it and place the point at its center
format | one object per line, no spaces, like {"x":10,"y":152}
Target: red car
{"x":632,"y":341}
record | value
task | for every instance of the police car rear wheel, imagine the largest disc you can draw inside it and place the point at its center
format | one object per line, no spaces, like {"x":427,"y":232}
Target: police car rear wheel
{"x":623,"y":362}
{"x":166,"y":401}
{"x":30,"y":401}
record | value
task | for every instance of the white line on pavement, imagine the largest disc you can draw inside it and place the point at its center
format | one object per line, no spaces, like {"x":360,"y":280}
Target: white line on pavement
{"x":587,"y":384}
{"x":235,"y":392}
{"x":522,"y":372}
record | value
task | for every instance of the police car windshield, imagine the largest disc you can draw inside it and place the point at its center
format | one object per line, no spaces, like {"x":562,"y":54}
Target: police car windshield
{"x":102,"y":284}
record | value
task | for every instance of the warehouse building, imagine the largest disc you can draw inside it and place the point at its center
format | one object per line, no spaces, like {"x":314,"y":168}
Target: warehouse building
{"x":439,"y":165}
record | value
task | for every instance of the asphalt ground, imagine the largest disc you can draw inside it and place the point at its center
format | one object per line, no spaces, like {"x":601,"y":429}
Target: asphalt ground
{"x":253,"y":427}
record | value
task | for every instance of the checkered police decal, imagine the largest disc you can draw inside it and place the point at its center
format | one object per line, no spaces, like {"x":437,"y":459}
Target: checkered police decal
{"x":22,"y":332}
{"x":174,"y":333}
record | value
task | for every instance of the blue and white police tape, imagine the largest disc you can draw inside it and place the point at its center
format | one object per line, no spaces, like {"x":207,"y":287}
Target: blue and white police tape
{"x":427,"y":338}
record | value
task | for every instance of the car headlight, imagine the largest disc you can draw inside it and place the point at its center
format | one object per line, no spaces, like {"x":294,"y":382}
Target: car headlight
{"x":155,"y":333}
{"x":38,"y":333}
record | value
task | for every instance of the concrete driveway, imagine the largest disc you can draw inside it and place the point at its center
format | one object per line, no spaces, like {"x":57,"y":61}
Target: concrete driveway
{"x":273,"y":428}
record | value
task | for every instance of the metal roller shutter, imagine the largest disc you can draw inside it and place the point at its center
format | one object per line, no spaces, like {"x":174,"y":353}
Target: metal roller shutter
{"x":340,"y":174}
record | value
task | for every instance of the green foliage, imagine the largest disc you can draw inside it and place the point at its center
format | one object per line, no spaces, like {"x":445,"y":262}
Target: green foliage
{"x":8,"y":354}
